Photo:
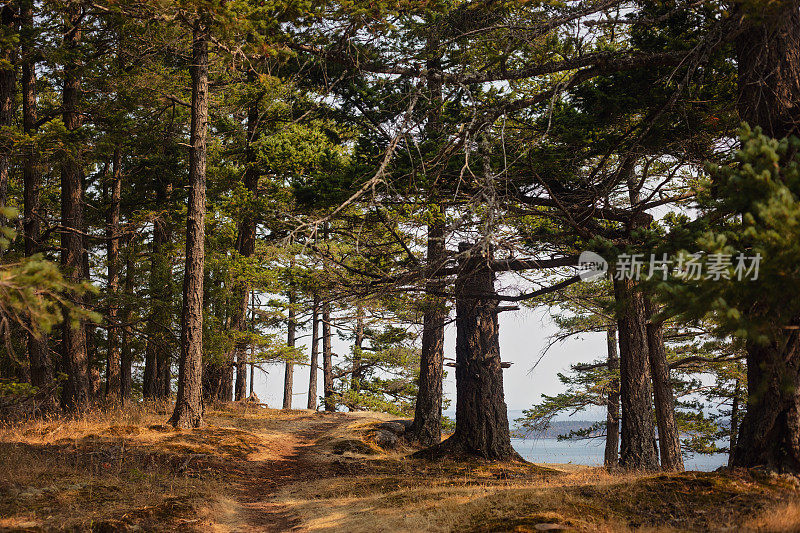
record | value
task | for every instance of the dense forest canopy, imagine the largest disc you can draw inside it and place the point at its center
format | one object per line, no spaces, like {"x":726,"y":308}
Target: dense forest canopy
{"x":195,"y":189}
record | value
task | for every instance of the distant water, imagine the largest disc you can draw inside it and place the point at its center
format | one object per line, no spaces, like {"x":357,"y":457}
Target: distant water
{"x":591,"y":453}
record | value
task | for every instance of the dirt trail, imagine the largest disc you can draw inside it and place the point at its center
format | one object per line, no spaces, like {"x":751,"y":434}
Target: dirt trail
{"x":292,"y":457}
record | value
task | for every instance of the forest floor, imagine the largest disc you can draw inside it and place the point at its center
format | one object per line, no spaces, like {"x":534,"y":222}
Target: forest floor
{"x":255,"y":469}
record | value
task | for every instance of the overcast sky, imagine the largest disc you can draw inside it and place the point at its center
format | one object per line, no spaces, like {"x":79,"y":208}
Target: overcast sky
{"x":523,"y":335}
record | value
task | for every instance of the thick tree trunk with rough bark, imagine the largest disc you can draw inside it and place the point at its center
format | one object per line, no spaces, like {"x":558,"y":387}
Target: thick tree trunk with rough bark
{"x":75,"y":356}
{"x":637,"y":449}
{"x":769,"y":435}
{"x":481,"y":414}
{"x":669,"y":441}
{"x":113,"y":358}
{"x":41,"y":366}
{"x":768,"y":57}
{"x":291,"y":329}
{"x":427,"y":426}
{"x":314,"y":363}
{"x":189,"y":402}
{"x":611,"y":459}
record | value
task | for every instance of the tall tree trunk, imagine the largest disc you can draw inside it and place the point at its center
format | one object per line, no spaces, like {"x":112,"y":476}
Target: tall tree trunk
{"x":126,"y":352}
{"x":246,"y":242}
{"x":41,"y":366}
{"x":734,"y":421}
{"x":612,"y":413}
{"x":291,"y":326}
{"x":76,"y":363}
{"x":481,"y":414}
{"x":113,"y":361}
{"x":426,"y":428}
{"x":769,"y":435}
{"x":357,"y":373}
{"x":314,"y":363}
{"x":158,"y":360}
{"x":327,"y":359}
{"x":189,"y":402}
{"x":638,"y":449}
{"x":240,"y":389}
{"x":768,"y":57}
{"x":8,"y":87}
{"x":669,"y":441}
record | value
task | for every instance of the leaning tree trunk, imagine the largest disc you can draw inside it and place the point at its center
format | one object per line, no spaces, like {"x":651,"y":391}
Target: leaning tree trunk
{"x":768,"y":57}
{"x":75,"y":356}
{"x":189,"y":402}
{"x":481,"y":414}
{"x":41,"y":366}
{"x":769,"y":435}
{"x":669,"y":441}
{"x":113,"y":358}
{"x":288,"y":378}
{"x":637,"y":450}
{"x":314,"y":363}
{"x":611,"y":459}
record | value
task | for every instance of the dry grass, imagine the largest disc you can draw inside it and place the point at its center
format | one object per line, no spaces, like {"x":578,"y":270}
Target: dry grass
{"x":260,"y":469}
{"x":125,"y":468}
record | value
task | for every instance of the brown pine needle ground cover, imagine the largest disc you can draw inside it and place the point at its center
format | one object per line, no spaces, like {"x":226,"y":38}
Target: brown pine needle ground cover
{"x":253,"y":469}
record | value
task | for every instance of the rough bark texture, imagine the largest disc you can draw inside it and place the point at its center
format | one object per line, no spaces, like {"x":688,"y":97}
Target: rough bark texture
{"x":611,"y":459}
{"x":481,"y":413}
{"x":427,"y":426}
{"x":769,"y":435}
{"x":75,"y":357}
{"x":669,"y":441}
{"x":41,"y":366}
{"x":113,"y":358}
{"x":288,"y":377}
{"x":189,"y":402}
{"x":327,"y":359}
{"x":637,"y":449}
{"x":8,"y":87}
{"x":314,"y":363}
{"x":768,"y":57}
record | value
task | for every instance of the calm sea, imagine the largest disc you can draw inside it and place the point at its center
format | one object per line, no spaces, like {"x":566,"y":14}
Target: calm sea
{"x":591,"y":453}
